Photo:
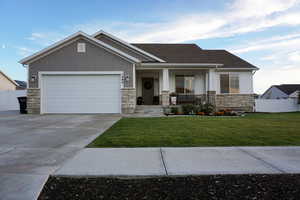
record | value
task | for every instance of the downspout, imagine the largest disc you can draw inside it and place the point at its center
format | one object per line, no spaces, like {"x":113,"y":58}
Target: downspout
{"x":27,"y":67}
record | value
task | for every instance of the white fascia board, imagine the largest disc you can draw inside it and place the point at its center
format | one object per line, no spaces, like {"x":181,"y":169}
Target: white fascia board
{"x":69,"y":38}
{"x":173,"y":68}
{"x":127,"y":44}
{"x":112,"y":48}
{"x":250,"y":68}
{"x":24,"y":60}
{"x":215,"y":65}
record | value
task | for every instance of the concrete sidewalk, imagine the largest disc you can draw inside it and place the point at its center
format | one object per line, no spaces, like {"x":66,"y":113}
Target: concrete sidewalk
{"x":182,"y":161}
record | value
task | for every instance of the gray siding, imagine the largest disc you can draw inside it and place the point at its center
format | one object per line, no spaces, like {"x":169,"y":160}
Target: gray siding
{"x":124,"y":49}
{"x":68,"y":59}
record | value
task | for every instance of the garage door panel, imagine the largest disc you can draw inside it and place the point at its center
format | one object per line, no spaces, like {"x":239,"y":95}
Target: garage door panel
{"x":81,"y":93}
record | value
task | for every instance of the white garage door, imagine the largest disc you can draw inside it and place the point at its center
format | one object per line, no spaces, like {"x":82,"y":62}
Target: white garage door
{"x":80,"y":94}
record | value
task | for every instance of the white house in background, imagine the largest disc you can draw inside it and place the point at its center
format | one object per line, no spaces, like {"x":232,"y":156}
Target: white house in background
{"x":7,"y":83}
{"x":101,"y":73}
{"x":283,"y":91}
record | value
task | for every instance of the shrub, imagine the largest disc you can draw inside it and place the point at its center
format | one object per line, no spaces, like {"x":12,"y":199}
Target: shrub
{"x":188,"y":109}
{"x":197,"y":108}
{"x":208,"y":108}
{"x":174,"y":110}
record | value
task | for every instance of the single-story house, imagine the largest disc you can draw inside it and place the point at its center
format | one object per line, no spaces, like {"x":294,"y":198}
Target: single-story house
{"x":101,"y":73}
{"x":7,"y":83}
{"x":283,"y":91}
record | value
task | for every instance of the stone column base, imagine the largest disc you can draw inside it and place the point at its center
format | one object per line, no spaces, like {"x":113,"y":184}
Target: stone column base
{"x":165,"y":98}
{"x":128,"y":100}
{"x":33,"y":101}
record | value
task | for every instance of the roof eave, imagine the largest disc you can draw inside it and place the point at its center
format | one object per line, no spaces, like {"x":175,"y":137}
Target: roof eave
{"x":182,"y":64}
{"x":128,"y":44}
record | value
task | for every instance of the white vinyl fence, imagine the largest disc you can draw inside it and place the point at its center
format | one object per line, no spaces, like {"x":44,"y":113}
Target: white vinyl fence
{"x":277,"y":105}
{"x":9,"y":101}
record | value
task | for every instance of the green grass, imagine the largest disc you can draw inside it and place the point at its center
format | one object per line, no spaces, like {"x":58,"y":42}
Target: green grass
{"x":252,"y":130}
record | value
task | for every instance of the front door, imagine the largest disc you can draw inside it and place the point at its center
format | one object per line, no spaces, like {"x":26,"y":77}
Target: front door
{"x":148,"y":90}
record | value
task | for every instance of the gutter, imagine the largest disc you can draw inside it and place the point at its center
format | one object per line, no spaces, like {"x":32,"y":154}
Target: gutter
{"x":181,"y":64}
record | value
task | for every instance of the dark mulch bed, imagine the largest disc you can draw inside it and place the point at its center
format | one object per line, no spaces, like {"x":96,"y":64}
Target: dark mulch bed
{"x":190,"y":187}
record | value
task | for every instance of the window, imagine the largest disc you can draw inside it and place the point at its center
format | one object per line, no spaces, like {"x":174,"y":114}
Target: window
{"x":80,"y":47}
{"x":229,"y":83}
{"x":184,"y":84}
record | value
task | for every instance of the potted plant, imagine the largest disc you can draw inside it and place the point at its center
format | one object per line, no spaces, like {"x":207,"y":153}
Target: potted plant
{"x":173,"y":98}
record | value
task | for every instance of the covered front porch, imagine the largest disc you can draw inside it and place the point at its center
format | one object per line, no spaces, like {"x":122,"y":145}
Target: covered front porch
{"x":160,"y":86}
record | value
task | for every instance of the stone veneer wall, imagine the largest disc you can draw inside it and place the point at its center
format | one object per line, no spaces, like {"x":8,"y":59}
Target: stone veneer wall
{"x":235,"y":101}
{"x":33,"y":101}
{"x":128,"y":100}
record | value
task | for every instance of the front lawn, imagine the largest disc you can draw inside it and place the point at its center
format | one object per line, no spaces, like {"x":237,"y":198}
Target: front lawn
{"x":252,"y":130}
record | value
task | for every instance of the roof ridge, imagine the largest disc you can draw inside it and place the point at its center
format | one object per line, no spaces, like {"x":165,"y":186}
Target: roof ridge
{"x":160,"y":43}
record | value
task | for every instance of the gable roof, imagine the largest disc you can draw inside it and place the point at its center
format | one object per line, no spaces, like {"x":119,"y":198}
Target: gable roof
{"x":128,"y":45}
{"x":188,"y":54}
{"x":288,"y":88}
{"x":7,"y":77}
{"x":60,"y":43}
{"x":192,"y":53}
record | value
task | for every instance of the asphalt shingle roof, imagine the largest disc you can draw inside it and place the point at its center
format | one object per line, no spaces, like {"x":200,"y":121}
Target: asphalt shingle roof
{"x":288,"y":88}
{"x":191,"y":53}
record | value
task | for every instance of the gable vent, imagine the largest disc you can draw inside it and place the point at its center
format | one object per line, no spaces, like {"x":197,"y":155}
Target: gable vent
{"x":81,"y":47}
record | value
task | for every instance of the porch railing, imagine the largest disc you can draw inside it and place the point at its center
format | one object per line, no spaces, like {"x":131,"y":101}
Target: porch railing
{"x":188,"y":98}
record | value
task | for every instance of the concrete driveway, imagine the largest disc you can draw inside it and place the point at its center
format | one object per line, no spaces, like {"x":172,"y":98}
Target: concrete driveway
{"x":34,"y":146}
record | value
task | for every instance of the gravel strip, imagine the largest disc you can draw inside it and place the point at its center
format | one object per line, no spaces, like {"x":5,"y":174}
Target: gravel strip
{"x":254,"y":187}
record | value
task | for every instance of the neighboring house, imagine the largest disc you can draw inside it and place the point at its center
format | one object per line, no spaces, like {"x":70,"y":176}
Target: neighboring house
{"x":22,"y":85}
{"x":6,"y":83}
{"x":101,"y":73}
{"x":283,"y":91}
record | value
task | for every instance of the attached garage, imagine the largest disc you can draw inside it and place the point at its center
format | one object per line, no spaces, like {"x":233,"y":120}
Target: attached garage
{"x":80,"y":92}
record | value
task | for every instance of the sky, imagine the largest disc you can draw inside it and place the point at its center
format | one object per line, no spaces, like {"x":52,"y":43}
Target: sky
{"x":265,"y":33}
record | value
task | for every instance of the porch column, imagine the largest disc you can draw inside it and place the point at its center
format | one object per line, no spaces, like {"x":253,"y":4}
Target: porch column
{"x":165,"y":88}
{"x":211,"y":80}
{"x":211,"y":87}
{"x":165,"y":80}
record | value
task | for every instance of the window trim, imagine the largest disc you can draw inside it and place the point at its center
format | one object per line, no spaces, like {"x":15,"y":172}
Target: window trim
{"x":229,"y":76}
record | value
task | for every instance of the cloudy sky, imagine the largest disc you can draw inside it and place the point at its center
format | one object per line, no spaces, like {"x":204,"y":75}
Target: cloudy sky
{"x":264,"y":32}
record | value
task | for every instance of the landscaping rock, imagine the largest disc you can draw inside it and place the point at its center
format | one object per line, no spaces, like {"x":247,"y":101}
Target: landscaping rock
{"x":281,"y":187}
